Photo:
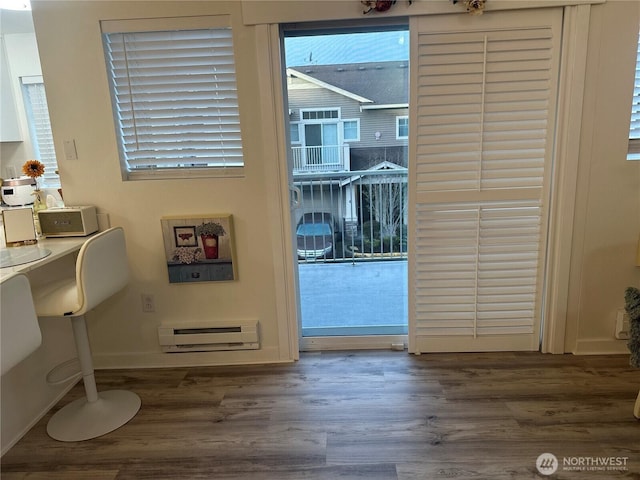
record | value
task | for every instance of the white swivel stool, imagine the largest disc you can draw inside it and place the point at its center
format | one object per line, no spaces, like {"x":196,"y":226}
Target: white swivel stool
{"x":101,"y":271}
{"x":19,"y":329}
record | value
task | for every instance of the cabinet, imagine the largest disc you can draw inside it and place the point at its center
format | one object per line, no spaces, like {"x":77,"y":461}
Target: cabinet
{"x":204,"y":271}
{"x":9,"y":126}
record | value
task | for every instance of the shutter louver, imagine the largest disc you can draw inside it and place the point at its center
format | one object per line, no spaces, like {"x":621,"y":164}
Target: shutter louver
{"x":176,"y":99}
{"x":484,"y":121}
{"x":634,"y":132}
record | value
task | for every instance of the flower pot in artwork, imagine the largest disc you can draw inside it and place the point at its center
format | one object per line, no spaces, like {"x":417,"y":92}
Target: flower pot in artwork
{"x":210,"y":246}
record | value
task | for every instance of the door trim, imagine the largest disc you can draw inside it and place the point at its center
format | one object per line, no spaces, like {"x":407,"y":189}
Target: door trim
{"x":562,"y":207}
{"x":272,"y":107}
{"x":361,"y":342}
{"x":575,"y":33}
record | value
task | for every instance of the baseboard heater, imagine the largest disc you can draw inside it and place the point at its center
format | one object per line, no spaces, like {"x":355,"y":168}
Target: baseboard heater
{"x":209,"y":338}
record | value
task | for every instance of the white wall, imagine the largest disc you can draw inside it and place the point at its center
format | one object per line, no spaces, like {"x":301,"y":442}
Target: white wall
{"x":607,"y":215}
{"x":73,"y":63}
{"x":607,"y":221}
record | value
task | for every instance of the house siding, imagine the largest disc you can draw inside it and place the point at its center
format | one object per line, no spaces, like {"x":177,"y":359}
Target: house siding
{"x":383,"y":121}
{"x":303,"y":95}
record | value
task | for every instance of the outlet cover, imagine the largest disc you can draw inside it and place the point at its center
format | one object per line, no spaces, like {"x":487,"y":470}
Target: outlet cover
{"x":148,"y":303}
{"x":622,"y":325}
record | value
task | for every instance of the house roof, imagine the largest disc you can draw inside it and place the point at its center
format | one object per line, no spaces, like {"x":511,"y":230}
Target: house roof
{"x":382,"y":179}
{"x":382,"y":83}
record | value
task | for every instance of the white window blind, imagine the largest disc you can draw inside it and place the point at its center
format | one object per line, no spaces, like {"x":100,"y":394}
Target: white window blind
{"x":175,"y":100}
{"x":634,"y":133}
{"x":484,"y":130}
{"x":35,"y":101}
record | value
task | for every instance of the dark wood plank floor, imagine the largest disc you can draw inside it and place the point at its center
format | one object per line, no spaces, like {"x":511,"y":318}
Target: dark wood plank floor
{"x":357,"y":415}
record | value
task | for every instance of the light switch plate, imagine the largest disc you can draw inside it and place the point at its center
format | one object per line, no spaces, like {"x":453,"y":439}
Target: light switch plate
{"x":70,"y":151}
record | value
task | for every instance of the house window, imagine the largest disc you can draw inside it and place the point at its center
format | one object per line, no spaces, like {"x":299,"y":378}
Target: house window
{"x":320,"y":114}
{"x":294,"y":132}
{"x":634,"y":133}
{"x":35,"y":102}
{"x":402,"y":127}
{"x":173,"y":89}
{"x":351,"y":130}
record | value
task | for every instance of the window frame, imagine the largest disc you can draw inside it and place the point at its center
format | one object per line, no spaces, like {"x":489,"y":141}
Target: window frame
{"x":40,"y":131}
{"x":633,"y":152}
{"x":398,"y":119}
{"x":295,"y":126}
{"x":214,"y":169}
{"x":305,"y":111}
{"x":357,"y":127}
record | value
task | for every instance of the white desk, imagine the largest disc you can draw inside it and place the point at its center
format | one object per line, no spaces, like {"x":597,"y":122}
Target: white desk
{"x":59,"y":247}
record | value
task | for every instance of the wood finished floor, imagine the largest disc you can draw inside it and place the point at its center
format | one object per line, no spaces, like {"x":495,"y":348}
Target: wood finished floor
{"x":356,"y":416}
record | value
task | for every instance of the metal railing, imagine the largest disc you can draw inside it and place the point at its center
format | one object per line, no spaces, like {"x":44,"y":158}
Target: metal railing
{"x":324,"y":158}
{"x":369,"y":212}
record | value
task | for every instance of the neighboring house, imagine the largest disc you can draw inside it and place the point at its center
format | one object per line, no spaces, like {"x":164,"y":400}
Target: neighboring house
{"x":347,"y":118}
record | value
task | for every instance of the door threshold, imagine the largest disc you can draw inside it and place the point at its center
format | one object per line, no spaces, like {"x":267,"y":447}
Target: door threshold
{"x":355,"y":331}
{"x":359,"y":342}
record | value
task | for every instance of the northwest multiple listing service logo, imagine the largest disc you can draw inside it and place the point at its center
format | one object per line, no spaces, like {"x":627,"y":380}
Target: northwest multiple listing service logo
{"x":548,"y":464}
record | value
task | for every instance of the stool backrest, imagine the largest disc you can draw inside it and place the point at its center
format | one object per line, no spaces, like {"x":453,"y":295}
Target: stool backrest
{"x":19,"y":329}
{"x":102,"y":268}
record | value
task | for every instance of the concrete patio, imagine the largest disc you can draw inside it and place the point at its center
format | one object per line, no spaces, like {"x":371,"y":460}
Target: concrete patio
{"x":359,"y":298}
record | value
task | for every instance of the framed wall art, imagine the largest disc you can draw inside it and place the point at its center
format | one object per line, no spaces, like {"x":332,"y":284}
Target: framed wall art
{"x":199,"y":248}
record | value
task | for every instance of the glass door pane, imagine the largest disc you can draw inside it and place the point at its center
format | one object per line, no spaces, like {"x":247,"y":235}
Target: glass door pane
{"x":352,"y":281}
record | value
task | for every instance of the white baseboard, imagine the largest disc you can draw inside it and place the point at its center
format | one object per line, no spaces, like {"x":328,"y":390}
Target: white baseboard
{"x":187,"y":359}
{"x":601,"y":346}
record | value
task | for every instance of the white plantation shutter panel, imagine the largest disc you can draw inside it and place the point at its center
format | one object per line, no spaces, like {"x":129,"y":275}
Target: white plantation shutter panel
{"x":477,"y":268}
{"x":175,"y":98}
{"x":35,"y":100}
{"x":483,"y":109}
{"x":485,"y":102}
{"x":634,"y":133}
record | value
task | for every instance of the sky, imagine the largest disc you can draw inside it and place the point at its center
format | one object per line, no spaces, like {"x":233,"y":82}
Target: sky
{"x":347,"y":48}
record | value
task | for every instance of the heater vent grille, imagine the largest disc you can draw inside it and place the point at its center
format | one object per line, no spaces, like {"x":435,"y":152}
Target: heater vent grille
{"x":207,"y":338}
{"x":191,"y":331}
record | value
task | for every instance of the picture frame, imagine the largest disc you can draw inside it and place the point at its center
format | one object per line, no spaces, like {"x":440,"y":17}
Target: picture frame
{"x":185,"y":236}
{"x":199,"y":248}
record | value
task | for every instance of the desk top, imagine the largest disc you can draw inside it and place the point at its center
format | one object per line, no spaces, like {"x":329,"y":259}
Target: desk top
{"x":58,"y":247}
{"x":12,"y":257}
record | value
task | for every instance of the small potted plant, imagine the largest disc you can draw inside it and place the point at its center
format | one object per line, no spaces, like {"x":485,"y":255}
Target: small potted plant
{"x":35,"y":169}
{"x":209,"y":233}
{"x":632,"y":306}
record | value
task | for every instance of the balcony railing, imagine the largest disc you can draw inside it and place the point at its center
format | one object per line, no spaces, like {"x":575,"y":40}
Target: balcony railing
{"x":324,"y":158}
{"x":369,"y":209}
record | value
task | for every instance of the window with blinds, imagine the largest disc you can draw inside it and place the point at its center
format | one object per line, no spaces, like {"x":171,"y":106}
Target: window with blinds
{"x":484,"y":123}
{"x":634,"y":133}
{"x":175,"y":98}
{"x":35,"y":102}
